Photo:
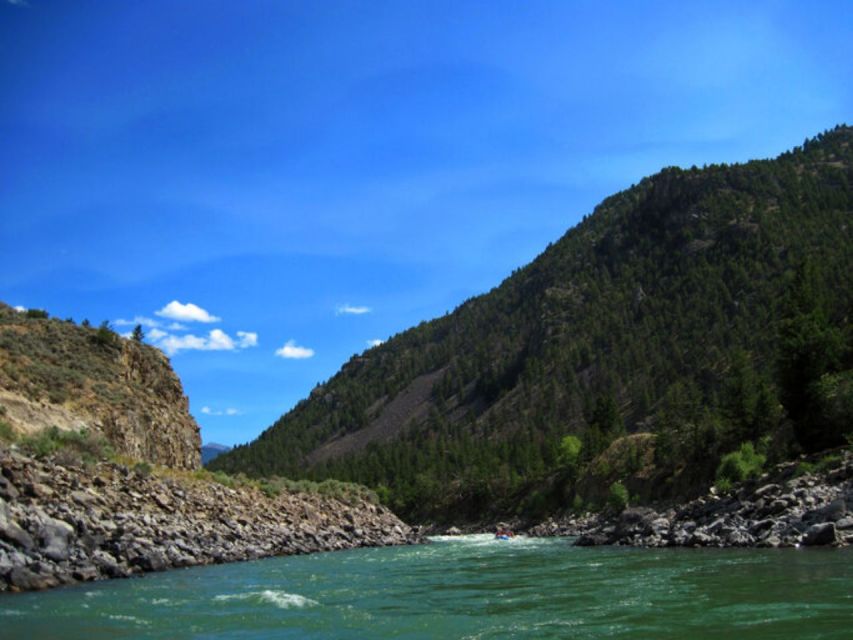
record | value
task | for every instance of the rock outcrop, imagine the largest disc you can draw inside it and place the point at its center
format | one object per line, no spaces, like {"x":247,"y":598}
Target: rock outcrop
{"x":782,"y":509}
{"x":65,"y":524}
{"x":55,"y":373}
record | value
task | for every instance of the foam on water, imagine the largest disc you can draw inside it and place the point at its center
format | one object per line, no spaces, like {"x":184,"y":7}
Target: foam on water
{"x":280,"y":599}
{"x":487,"y":540}
{"x":125,"y":618}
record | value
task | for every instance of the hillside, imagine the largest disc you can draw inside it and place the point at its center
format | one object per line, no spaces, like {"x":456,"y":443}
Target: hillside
{"x":708,"y":307}
{"x":55,"y":373}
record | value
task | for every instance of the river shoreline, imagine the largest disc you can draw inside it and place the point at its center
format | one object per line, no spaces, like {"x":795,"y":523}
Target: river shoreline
{"x":62,"y":524}
{"x":783,"y":508}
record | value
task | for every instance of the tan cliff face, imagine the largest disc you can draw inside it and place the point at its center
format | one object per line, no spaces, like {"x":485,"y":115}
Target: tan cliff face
{"x":56,"y":373}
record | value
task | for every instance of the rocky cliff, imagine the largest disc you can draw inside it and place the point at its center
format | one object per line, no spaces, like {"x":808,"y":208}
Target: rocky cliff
{"x":61,"y":524}
{"x":55,"y":373}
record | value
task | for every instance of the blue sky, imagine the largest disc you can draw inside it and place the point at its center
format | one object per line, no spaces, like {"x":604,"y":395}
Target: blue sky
{"x":281,"y":165}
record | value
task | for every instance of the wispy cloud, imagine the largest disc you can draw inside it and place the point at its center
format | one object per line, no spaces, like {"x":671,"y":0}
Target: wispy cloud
{"x":19,"y":308}
{"x":375,"y":342}
{"x":247,"y":339}
{"x":230,"y":411}
{"x":188,"y":312}
{"x":18,"y":3}
{"x":353,"y":310}
{"x":137,"y":320}
{"x":291,"y":350}
{"x":156,"y":334}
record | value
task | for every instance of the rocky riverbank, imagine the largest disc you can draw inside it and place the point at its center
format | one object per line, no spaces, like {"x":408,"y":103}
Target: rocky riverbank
{"x":64,"y":524}
{"x":785,"y":508}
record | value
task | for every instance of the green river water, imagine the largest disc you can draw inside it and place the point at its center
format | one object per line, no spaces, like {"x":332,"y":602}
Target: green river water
{"x":466,"y":587}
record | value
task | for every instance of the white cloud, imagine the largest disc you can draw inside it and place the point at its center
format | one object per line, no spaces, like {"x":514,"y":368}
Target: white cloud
{"x":247,"y":339}
{"x":188,"y":312}
{"x":230,"y":411}
{"x":172,"y":344}
{"x":19,"y":308}
{"x":292,"y":351}
{"x":177,"y":326}
{"x":218,"y":340}
{"x":349,"y":309}
{"x":156,"y":334}
{"x":138,"y":320}
{"x":375,"y":342}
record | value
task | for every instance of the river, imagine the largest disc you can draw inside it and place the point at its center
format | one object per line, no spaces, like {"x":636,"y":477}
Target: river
{"x":464,"y":587}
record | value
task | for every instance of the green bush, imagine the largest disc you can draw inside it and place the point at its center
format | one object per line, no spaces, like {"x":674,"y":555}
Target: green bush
{"x":724,"y":485}
{"x":43,"y":443}
{"x":383,"y":494}
{"x":89,"y":446}
{"x":142,"y":469}
{"x":570,"y":450}
{"x":7,"y":434}
{"x":224,"y":479}
{"x":618,"y":496}
{"x":740,"y":465}
{"x":804,"y":468}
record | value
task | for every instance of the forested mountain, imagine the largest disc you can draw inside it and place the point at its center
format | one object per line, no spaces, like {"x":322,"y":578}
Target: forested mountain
{"x":707,"y":306}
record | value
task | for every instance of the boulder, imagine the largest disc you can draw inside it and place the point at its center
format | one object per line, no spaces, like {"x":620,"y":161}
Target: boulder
{"x":54,"y":536}
{"x":820,"y":534}
{"x":12,"y":531}
{"x":7,"y":489}
{"x":591,"y":539}
{"x":151,"y":560}
{"x":22,"y":579}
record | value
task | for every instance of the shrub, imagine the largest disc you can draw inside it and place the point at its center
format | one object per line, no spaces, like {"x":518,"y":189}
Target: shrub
{"x":224,"y":479}
{"x":803,"y":469}
{"x":105,"y":336}
{"x":42,"y":443}
{"x":740,"y":465}
{"x":87,"y":445}
{"x":270,"y":489}
{"x":570,"y":449}
{"x":39,"y":314}
{"x":828,"y":462}
{"x":618,"y":496}
{"x":383,"y":494}
{"x":142,"y":469}
{"x":7,"y":434}
{"x":577,"y":504}
{"x":724,"y":485}
{"x":68,"y":457}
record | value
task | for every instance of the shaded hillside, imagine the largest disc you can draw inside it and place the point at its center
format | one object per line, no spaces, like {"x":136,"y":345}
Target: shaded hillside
{"x":666,"y":310}
{"x":54,"y":373}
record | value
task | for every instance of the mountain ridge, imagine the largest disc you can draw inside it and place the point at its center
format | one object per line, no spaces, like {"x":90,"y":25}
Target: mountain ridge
{"x":641,"y":308}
